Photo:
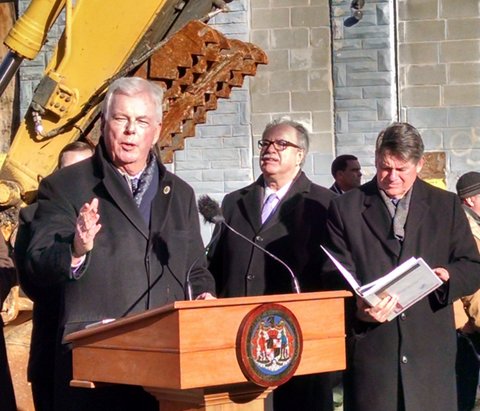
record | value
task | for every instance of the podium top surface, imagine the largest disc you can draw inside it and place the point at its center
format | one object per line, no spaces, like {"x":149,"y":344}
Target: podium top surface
{"x":200,"y":304}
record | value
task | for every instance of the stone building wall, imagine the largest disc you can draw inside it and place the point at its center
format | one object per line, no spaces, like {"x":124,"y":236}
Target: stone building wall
{"x":219,"y":158}
{"x":298,"y":80}
{"x":364,"y":78}
{"x":439,"y":77}
{"x":343,"y":100}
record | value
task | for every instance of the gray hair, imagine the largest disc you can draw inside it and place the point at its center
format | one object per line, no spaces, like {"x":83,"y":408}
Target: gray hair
{"x":131,"y":86}
{"x":302,"y":133}
{"x":400,"y":140}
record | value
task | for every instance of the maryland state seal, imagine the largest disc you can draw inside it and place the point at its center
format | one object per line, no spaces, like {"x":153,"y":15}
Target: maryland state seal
{"x":269,"y":345}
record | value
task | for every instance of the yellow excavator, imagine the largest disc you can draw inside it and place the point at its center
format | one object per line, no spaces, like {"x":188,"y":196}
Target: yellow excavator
{"x":166,"y":41}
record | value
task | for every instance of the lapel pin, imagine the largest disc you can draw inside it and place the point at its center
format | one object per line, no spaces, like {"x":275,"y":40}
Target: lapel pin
{"x":166,"y":189}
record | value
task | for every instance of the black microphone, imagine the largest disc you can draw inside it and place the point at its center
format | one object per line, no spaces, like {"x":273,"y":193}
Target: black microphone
{"x":211,"y":212}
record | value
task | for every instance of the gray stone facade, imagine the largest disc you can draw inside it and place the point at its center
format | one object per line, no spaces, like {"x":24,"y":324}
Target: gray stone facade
{"x":343,"y":83}
{"x":364,"y":79}
{"x":297,"y":82}
{"x":439,"y":77}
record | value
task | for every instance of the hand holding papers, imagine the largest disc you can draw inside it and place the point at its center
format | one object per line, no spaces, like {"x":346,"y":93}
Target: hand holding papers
{"x":409,"y":282}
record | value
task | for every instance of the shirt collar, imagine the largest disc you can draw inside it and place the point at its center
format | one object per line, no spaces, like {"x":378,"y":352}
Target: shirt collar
{"x":280,"y":193}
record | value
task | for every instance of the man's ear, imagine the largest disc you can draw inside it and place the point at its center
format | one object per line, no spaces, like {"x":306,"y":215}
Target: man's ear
{"x":300,"y":157}
{"x":420,"y":164}
{"x":468,"y":201}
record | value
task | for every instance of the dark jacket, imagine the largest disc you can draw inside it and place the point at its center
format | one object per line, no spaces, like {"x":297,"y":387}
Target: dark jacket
{"x":415,"y":353}
{"x":46,"y":308}
{"x":293,"y":233}
{"x":128,"y":257}
{"x":133,"y":266}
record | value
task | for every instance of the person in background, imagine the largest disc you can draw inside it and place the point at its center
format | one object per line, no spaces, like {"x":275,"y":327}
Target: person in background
{"x":285,"y":213}
{"x":407,"y":364}
{"x":467,"y":309}
{"x":119,"y":240}
{"x":46,"y":299}
{"x":347,"y":172}
{"x":8,"y":278}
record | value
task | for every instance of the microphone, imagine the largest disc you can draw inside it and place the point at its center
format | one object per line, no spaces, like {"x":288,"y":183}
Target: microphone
{"x":211,"y":212}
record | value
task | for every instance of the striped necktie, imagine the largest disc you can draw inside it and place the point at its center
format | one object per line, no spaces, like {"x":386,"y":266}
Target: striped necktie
{"x":268,"y":206}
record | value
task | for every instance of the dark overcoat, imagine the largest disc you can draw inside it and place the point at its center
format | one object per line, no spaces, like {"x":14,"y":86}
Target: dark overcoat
{"x":413,"y":355}
{"x":293,"y":232}
{"x":45,"y":317}
{"x":134,"y":265}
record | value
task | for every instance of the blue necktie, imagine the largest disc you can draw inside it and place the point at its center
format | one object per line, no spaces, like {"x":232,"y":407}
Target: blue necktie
{"x":134,"y":185}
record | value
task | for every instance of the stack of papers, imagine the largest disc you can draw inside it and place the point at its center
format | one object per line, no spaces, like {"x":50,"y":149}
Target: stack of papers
{"x":409,"y":282}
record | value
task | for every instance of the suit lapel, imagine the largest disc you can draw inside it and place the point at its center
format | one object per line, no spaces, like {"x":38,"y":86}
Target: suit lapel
{"x":417,"y":212}
{"x":251,"y":203}
{"x":162,"y":202}
{"x":378,"y":219}
{"x":117,"y":188}
{"x":124,"y":201}
{"x":289,"y":202}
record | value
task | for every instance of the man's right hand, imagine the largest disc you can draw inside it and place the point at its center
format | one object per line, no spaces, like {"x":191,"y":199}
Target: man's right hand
{"x":86,"y":229}
{"x":379,"y":312}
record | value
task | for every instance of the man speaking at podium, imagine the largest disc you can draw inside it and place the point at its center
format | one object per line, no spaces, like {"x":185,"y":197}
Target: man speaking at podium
{"x":284,"y":213}
{"x":407,"y":364}
{"x":120,"y":233}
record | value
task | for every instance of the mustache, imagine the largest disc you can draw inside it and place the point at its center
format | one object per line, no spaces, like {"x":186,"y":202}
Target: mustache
{"x":268,"y":157}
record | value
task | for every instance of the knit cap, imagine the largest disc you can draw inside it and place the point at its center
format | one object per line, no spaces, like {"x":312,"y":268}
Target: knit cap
{"x":468,"y":185}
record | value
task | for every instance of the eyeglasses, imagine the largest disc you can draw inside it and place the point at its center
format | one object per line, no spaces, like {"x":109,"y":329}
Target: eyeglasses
{"x":280,"y":145}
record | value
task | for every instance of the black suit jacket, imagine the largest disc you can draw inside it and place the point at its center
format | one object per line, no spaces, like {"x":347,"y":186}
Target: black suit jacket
{"x":46,"y":307}
{"x":417,"y":349}
{"x":129,"y":256}
{"x":293,"y":233}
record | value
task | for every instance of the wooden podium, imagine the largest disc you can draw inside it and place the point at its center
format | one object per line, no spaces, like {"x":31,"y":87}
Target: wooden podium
{"x":185,"y":353}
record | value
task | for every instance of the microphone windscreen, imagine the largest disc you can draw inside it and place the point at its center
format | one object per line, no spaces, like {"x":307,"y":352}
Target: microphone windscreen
{"x":209,"y":209}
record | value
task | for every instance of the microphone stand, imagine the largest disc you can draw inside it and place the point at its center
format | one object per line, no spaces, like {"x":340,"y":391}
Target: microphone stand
{"x":295,"y":283}
{"x":188,"y":283}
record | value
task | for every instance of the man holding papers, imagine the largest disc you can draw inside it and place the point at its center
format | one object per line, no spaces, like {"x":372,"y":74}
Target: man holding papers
{"x":406,"y":363}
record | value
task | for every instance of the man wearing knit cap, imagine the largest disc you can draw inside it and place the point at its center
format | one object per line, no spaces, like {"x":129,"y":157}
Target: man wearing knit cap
{"x":468,"y":189}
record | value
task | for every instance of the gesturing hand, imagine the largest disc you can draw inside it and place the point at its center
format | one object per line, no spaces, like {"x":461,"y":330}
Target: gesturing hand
{"x":86,"y":228}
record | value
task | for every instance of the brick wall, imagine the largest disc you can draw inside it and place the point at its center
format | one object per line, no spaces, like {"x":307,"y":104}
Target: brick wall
{"x":297,"y":82}
{"x":218,"y":159}
{"x":364,"y":79}
{"x":438,"y":84}
{"x":439,"y":76}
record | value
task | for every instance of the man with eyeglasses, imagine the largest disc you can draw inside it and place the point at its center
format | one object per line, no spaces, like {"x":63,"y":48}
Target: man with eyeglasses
{"x":284,"y":212}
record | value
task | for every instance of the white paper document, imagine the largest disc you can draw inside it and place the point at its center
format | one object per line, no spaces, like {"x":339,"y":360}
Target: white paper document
{"x":410,"y":282}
